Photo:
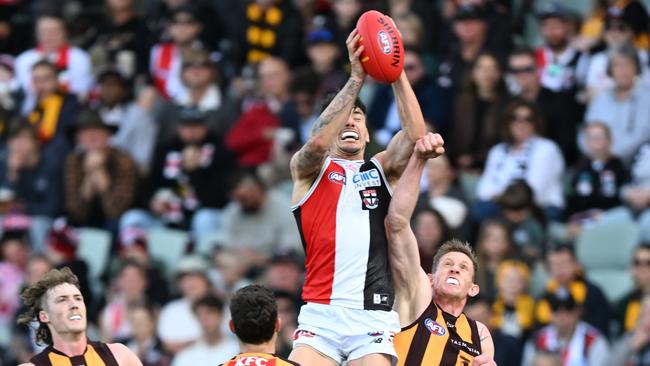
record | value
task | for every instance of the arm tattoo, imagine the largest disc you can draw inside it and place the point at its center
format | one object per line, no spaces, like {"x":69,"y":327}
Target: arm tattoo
{"x":348,"y":94}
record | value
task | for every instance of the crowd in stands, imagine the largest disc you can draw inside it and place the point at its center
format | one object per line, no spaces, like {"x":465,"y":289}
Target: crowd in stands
{"x":131,"y":117}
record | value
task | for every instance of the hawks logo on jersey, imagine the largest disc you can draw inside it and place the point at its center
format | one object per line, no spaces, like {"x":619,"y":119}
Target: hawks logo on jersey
{"x":369,"y":198}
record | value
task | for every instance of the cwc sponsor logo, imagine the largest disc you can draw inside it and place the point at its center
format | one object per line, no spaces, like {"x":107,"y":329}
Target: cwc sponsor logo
{"x":435,"y":328}
{"x":365,"y":179}
{"x":384,"y":42}
{"x":254,"y":361}
{"x":336,"y":177}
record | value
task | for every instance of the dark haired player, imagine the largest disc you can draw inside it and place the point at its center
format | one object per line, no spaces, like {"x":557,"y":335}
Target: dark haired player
{"x":255,"y":322}
{"x":56,"y":302}
{"x":340,"y":201}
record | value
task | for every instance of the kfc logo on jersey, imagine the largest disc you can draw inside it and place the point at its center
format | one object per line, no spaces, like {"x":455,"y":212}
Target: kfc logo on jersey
{"x":254,"y":361}
{"x":369,"y":199}
{"x":337,"y":178}
{"x":369,"y":178}
{"x":435,"y":328}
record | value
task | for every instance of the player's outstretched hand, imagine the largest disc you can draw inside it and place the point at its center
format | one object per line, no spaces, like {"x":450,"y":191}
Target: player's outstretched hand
{"x":483,"y":360}
{"x":429,"y":146}
{"x":354,"y":52}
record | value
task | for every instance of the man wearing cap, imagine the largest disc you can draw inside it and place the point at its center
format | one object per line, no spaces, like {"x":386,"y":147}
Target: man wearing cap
{"x":178,"y":326}
{"x":189,"y":179}
{"x":577,"y":342}
{"x":561,"y":69}
{"x":167,"y":57}
{"x":324,"y":55}
{"x":618,"y":32}
{"x":99,"y":181}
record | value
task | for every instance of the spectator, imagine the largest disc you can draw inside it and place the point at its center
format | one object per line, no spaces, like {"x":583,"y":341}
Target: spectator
{"x":598,"y":177}
{"x":72,"y":65}
{"x":258,"y":219}
{"x":189,"y":181}
{"x":128,"y":288}
{"x":230,"y":267}
{"x":178,"y":326}
{"x":494,"y":245}
{"x":55,"y":110}
{"x":578,"y":342}
{"x":513,"y":309}
{"x":166,"y":58}
{"x":544,"y":358}
{"x":445,"y":193}
{"x":525,"y":220}
{"x":61,"y":251}
{"x":23,"y":345}
{"x":144,"y":342}
{"x":526,"y":155}
{"x":431,"y":231}
{"x":32,"y":180}
{"x":252,"y":135}
{"x":623,"y":107}
{"x":525,"y":83}
{"x":636,"y":12}
{"x":507,"y":349}
{"x":633,"y":348}
{"x":629,"y":308}
{"x":9,"y":93}
{"x":288,"y":315}
{"x":478,"y":109}
{"x":560,"y":67}
{"x":618,"y":33}
{"x":636,"y":194}
{"x":469,"y":25}
{"x":285,"y":272}
{"x":136,"y":126}
{"x":345,"y":14}
{"x":566,"y":277}
{"x":383,"y":114}
{"x":100,"y":181}
{"x":325,"y":57}
{"x":213,"y":346}
{"x":271,"y":28}
{"x":201,"y":90}
{"x":122,"y":41}
{"x":305,"y":98}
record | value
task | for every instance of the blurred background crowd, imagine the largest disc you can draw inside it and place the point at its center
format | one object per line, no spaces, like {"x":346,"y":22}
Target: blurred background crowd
{"x":145,"y":144}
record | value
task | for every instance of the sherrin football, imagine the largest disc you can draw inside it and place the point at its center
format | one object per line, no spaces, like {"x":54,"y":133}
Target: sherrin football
{"x":383,"y":54}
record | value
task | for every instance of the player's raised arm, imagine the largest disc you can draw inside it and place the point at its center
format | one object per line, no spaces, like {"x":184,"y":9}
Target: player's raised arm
{"x":306,"y":163}
{"x":401,"y":145}
{"x":412,"y":286}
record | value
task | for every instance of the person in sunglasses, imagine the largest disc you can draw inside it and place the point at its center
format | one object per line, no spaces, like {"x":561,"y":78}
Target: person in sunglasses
{"x":629,"y":308}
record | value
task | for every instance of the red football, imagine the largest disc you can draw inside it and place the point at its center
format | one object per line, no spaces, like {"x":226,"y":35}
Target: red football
{"x":383,"y":54}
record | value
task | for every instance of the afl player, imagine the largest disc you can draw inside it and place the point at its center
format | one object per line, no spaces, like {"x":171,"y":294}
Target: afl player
{"x":434,"y":329}
{"x":340,"y":202}
{"x":56,"y":303}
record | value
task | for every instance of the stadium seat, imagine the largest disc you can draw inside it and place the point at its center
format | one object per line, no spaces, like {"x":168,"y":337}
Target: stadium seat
{"x":206,"y":243}
{"x":167,"y":246}
{"x":608,"y":245}
{"x":94,"y":248}
{"x":614,"y":283}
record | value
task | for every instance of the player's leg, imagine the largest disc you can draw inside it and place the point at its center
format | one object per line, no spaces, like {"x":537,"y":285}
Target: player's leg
{"x":375,"y":359}
{"x":306,"y":355}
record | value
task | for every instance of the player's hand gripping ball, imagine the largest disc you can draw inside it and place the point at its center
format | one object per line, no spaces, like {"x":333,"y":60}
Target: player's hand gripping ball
{"x":383,"y":54}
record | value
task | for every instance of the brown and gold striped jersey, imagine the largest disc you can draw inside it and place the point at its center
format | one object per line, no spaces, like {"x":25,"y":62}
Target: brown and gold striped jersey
{"x":438,"y":338}
{"x":96,"y":354}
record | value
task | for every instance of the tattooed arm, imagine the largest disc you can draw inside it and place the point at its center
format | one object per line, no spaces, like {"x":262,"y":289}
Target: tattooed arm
{"x":306,"y":163}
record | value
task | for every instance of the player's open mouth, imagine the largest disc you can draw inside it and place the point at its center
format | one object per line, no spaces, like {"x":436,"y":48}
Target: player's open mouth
{"x":453,"y":281}
{"x":349,"y":135}
{"x":75,"y":317}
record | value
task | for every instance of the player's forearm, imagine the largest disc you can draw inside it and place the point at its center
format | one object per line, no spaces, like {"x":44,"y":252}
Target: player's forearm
{"x":409,"y":109}
{"x":405,"y":195}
